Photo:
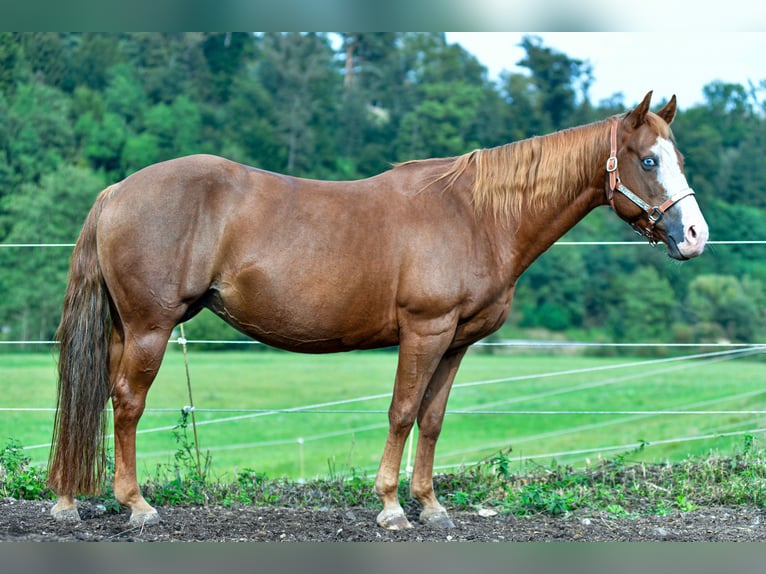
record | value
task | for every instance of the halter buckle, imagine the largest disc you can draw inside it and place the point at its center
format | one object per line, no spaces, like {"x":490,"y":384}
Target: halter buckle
{"x":611,"y":164}
{"x":654,"y":215}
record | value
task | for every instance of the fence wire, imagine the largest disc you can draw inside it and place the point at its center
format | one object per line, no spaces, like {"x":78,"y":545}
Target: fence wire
{"x":733,"y":350}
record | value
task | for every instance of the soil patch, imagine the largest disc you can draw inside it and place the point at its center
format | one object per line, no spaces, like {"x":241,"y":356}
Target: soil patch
{"x":30,"y":521}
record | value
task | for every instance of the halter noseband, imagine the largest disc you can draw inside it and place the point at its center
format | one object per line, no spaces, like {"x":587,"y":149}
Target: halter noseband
{"x":653,"y":213}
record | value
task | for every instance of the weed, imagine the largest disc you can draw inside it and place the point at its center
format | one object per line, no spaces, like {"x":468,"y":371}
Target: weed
{"x":684,"y":505}
{"x":185,"y":481}
{"x":501,"y":462}
{"x":616,"y":511}
{"x":17,"y":478}
{"x":662,"y":508}
{"x":616,"y":487}
{"x":539,"y":497}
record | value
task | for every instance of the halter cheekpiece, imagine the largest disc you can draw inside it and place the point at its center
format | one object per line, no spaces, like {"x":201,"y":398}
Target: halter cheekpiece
{"x":653,"y":213}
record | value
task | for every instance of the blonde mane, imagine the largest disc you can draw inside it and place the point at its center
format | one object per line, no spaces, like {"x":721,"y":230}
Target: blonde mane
{"x":532,"y":173}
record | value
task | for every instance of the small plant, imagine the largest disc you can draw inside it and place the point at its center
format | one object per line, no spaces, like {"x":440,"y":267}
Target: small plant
{"x":684,"y":505}
{"x":461,"y":499}
{"x":749,"y":442}
{"x":540,"y":497}
{"x":17,"y":478}
{"x":616,"y":511}
{"x":662,"y":508}
{"x":186,"y":480}
{"x":501,"y":462}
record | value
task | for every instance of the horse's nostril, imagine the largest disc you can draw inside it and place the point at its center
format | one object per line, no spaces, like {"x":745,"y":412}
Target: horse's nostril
{"x":692,"y":232}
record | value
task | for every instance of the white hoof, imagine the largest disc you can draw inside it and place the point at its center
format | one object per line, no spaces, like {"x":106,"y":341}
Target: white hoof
{"x":393,"y":520}
{"x":436,"y":517}
{"x":144,"y":518}
{"x":67,"y":514}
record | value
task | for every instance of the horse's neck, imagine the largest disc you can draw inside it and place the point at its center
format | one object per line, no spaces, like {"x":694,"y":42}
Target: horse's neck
{"x":539,"y":231}
{"x":539,"y":226}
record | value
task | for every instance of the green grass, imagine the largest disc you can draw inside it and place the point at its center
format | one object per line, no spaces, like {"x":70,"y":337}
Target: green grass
{"x":614,"y":488}
{"x":346,"y":444}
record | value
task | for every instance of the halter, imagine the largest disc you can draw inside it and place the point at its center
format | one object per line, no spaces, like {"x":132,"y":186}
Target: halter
{"x":653,"y":213}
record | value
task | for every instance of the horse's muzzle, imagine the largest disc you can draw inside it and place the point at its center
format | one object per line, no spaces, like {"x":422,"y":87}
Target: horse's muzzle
{"x":695,"y":236}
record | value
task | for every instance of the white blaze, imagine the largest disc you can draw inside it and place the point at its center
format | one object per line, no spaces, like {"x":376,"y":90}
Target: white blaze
{"x":670,"y":176}
{"x":669,"y":173}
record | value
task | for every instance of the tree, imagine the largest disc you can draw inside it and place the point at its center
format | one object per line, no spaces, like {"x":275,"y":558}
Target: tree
{"x":644,"y":310}
{"x":33,"y":281}
{"x":721,"y":138}
{"x":746,"y":181}
{"x":558,"y":81}
{"x":125,"y":96}
{"x":446,"y":89}
{"x":102,"y":140}
{"x":369,"y":112}
{"x":167,"y":64}
{"x":724,"y":307}
{"x":442,"y":123}
{"x":90,"y":58}
{"x":551,"y":292}
{"x":226,"y":54}
{"x":298,"y":69}
{"x":176,"y":127}
{"x":9,"y":55}
{"x":247,"y":126}
{"x":46,"y":56}
{"x":39,"y":133}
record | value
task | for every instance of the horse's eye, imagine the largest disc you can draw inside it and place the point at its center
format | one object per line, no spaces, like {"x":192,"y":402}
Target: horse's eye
{"x":649,"y":162}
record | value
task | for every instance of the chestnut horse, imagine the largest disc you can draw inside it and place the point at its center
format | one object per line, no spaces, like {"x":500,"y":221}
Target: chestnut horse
{"x":424,"y":256}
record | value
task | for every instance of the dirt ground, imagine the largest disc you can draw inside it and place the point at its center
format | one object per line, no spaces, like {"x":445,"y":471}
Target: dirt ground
{"x":25,"y":521}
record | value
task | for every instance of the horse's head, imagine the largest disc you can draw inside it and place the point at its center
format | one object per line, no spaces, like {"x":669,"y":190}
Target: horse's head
{"x":646,"y":184}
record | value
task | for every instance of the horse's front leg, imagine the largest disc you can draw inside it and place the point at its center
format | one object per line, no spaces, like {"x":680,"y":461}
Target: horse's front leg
{"x":430,"y":418}
{"x":419,"y":357}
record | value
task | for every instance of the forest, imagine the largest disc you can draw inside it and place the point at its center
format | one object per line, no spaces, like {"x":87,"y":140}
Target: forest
{"x":79,"y":111}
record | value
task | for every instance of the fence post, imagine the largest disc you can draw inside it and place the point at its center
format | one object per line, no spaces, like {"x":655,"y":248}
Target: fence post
{"x":182,"y":340}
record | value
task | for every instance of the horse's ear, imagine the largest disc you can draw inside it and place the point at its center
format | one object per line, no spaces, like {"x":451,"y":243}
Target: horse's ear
{"x":638,"y":115}
{"x":668,"y":112}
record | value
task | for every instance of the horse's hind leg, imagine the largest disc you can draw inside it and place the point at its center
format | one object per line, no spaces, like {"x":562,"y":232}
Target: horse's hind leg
{"x":140,"y":358}
{"x":65,"y":509}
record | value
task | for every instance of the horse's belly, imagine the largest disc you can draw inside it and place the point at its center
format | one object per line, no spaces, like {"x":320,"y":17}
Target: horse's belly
{"x":296,"y":323}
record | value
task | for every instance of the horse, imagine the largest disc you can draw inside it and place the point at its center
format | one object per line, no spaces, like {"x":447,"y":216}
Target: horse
{"x":424,"y":257}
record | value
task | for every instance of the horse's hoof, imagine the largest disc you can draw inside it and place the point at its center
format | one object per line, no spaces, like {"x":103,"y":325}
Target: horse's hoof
{"x":436,"y":518}
{"x":393,"y":520}
{"x":69,"y":514}
{"x":144,"y":518}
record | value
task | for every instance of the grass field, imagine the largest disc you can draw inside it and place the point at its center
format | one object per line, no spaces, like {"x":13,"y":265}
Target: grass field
{"x":591,"y":403}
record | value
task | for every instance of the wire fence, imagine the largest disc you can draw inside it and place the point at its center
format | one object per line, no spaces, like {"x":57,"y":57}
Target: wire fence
{"x":747,"y":421}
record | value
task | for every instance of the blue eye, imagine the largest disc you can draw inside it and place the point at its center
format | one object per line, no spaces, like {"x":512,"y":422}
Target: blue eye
{"x":649,"y":162}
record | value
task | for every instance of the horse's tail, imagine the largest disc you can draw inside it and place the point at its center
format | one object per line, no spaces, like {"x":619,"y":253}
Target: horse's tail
{"x":78,"y":454}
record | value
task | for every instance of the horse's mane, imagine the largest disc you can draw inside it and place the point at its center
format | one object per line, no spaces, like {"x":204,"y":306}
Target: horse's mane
{"x":532,"y":172}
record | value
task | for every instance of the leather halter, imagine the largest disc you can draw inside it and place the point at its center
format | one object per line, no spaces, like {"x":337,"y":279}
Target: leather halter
{"x":653,"y":213}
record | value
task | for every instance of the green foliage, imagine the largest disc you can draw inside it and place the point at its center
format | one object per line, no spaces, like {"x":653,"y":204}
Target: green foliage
{"x":643,"y":306}
{"x":208,"y":327}
{"x":186,"y":479}
{"x":18,"y":479}
{"x":48,"y":211}
{"x":347,"y":106}
{"x":616,"y":489}
{"x":555,"y":80}
{"x":552,"y":291}
{"x":727,"y":307}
